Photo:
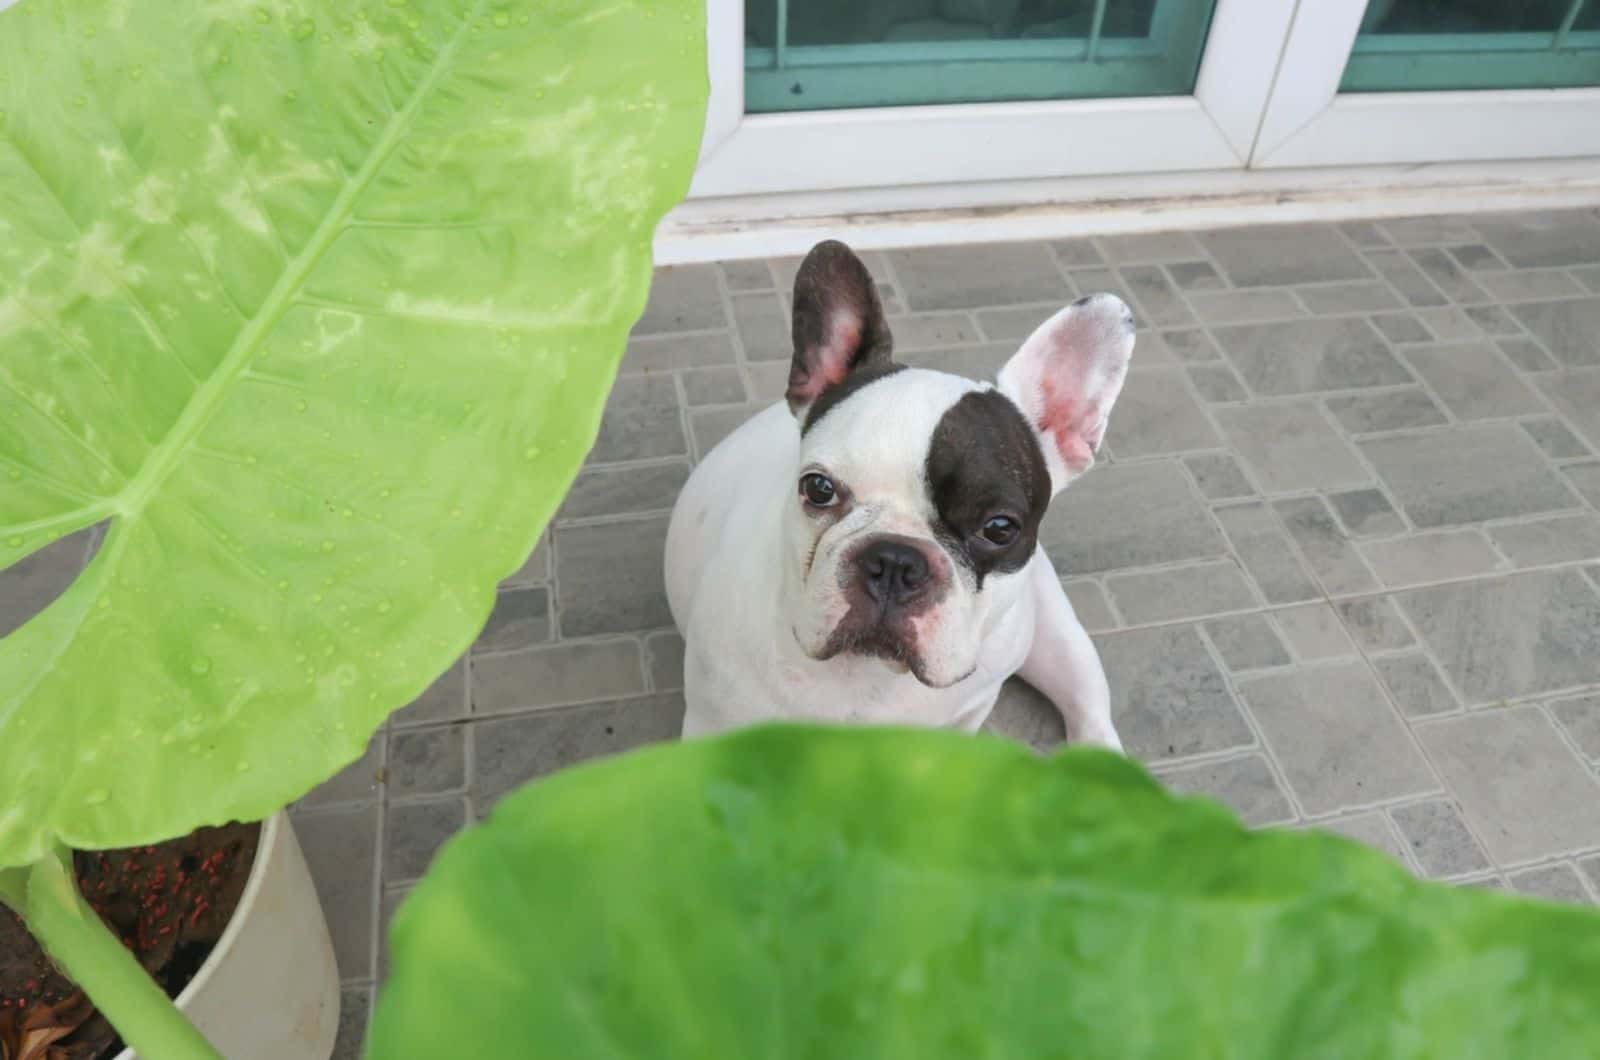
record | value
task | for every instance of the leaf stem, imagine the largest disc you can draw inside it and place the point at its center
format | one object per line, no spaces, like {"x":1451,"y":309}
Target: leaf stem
{"x":78,"y":940}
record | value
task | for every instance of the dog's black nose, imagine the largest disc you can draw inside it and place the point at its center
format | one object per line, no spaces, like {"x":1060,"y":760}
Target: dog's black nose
{"x":893,"y":572}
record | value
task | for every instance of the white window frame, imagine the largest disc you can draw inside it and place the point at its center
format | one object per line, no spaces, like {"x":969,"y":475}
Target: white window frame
{"x":1308,"y":123}
{"x":1216,"y":128}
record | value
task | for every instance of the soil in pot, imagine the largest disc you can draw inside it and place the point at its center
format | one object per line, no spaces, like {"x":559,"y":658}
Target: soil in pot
{"x":169,"y":903}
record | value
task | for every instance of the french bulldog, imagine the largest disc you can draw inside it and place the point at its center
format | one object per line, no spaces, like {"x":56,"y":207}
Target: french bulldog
{"x":867,"y":551}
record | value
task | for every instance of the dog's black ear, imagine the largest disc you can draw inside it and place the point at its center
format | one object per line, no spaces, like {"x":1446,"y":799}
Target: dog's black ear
{"x":838,"y":324}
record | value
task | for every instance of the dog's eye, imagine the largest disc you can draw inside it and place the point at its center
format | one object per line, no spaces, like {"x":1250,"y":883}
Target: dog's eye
{"x":1001,"y":530}
{"x":818,"y":490}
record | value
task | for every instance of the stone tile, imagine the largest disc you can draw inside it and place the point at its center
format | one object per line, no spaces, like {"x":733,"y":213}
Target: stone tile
{"x":1446,"y":275}
{"x":387,"y":907}
{"x":1473,"y":381}
{"x":445,"y":699}
{"x":1467,"y":475}
{"x":769,"y":381}
{"x":747,"y":275}
{"x":710,"y":426}
{"x":683,"y":298}
{"x":1402,"y":327}
{"x":1391,"y":410}
{"x":1405,"y":277}
{"x":978,"y":275}
{"x":1414,"y":684}
{"x":1576,"y":395}
{"x":1375,"y":624}
{"x":341,"y":849}
{"x":1524,"y":793}
{"x":722,"y":385}
{"x":1338,"y":741}
{"x":355,"y":783}
{"x":1264,"y":550}
{"x":555,"y":676}
{"x":1090,"y":605}
{"x":521,"y":618}
{"x":1149,"y":247}
{"x":1528,"y":286}
{"x":1305,"y":356}
{"x":665,"y":353}
{"x":1195,"y":276}
{"x":1555,"y":438}
{"x":1371,"y":829}
{"x":1217,"y":383}
{"x":33,"y":582}
{"x":664,"y":658}
{"x":1181,"y":592}
{"x":1237,"y":307}
{"x":1448,"y":324}
{"x":610,"y":577}
{"x":601,"y":492}
{"x":1314,"y":632}
{"x":1022,"y":714}
{"x":1363,"y":234}
{"x":1218,"y":475}
{"x":1591,"y":868}
{"x":1475,"y":257}
{"x":427,"y":762}
{"x":1167,"y":697}
{"x":535,"y":570}
{"x":1245,"y":785}
{"x":1191,"y":347}
{"x":1439,"y":838}
{"x":1485,"y":883}
{"x":1157,"y":414}
{"x":414,"y":832}
{"x":889,"y":297}
{"x":1424,"y":558}
{"x":1527,"y":355}
{"x":918,"y":331}
{"x":355,"y":1009}
{"x":1580,"y":716}
{"x":1366,"y":513}
{"x":1290,"y":447}
{"x":1493,"y":320}
{"x":1247,"y":642}
{"x":1361,"y":296}
{"x":641,"y":420}
{"x":763,"y":327}
{"x":1157,"y":298}
{"x":1569,"y":329}
{"x":1128,"y":515}
{"x":1074,"y":253}
{"x":1534,"y":239}
{"x":1278,"y":255}
{"x":1553,"y":883}
{"x":1559,"y":539}
{"x":509,"y":752}
{"x":1511,"y":636}
{"x":1423,"y":231}
{"x":1332,"y":558}
{"x":982,"y":363}
{"x":1589,"y":277}
{"x":1012,"y":324}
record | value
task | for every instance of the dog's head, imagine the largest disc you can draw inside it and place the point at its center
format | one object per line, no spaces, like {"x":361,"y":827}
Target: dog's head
{"x":918,"y":495}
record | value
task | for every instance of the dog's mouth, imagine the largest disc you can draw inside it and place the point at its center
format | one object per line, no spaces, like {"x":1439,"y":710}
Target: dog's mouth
{"x":893,"y":648}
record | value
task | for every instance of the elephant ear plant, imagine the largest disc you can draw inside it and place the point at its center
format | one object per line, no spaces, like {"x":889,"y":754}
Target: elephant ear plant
{"x":315,"y":305}
{"x":805,"y":894}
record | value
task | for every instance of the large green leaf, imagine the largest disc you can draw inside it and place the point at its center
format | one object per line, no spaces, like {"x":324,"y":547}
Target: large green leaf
{"x":317,"y":303}
{"x":823,"y":894}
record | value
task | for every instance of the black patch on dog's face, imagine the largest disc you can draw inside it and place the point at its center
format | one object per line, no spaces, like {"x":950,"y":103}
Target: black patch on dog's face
{"x":984,"y":461}
{"x":832,"y":396}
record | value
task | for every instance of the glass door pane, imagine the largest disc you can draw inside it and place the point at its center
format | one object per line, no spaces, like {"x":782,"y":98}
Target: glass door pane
{"x":832,"y":54}
{"x":1432,"y":45}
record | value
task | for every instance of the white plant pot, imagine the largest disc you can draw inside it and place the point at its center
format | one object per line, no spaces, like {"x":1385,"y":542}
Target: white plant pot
{"x":270,"y":990}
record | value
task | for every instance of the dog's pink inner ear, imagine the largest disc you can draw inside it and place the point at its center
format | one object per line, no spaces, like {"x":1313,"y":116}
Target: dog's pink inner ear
{"x":1072,"y":423}
{"x":828,"y":364}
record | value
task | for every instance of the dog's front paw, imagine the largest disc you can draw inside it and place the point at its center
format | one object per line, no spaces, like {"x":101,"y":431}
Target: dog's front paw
{"x":1103,"y":737}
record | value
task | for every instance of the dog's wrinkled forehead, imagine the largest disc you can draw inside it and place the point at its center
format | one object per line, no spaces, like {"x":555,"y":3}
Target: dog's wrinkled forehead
{"x":875,"y":428}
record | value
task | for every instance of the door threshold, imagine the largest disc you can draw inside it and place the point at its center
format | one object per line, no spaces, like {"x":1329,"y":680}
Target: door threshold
{"x":766,"y":226}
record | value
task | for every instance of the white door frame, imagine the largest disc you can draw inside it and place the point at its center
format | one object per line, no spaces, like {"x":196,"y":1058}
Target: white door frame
{"x":1308,"y":123}
{"x":1216,"y":128}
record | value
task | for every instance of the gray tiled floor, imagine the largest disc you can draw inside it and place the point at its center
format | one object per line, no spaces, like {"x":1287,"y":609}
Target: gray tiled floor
{"x":1340,"y":558}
